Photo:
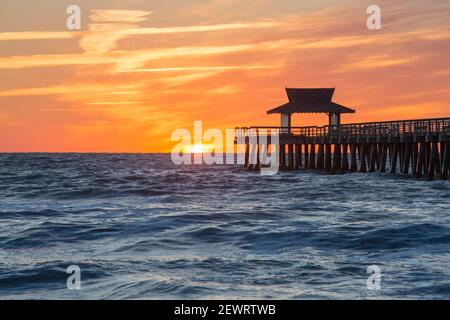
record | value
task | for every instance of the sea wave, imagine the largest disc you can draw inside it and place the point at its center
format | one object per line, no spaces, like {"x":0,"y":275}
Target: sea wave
{"x":140,"y":227}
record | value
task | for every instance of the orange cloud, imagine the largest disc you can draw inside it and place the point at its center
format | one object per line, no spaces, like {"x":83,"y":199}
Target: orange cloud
{"x":114,"y":15}
{"x":38,"y":35}
{"x":378,"y":61}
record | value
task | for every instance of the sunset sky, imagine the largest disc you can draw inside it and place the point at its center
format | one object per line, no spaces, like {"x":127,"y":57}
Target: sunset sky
{"x":139,"y":69}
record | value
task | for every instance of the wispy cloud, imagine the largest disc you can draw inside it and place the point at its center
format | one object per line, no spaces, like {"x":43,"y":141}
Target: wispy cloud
{"x":202,"y":28}
{"x":126,"y":60}
{"x":70,"y":89}
{"x":106,"y":27}
{"x":129,"y":16}
{"x":208,"y":68}
{"x":38,"y":35}
{"x":126,"y":103}
{"x":378,"y":61}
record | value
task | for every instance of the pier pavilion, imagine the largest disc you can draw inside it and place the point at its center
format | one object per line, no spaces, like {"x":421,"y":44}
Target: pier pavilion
{"x":310,"y":101}
{"x":419,"y":147}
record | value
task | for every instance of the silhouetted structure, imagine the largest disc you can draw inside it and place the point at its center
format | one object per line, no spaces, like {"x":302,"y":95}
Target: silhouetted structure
{"x":420,"y":147}
{"x":310,"y":101}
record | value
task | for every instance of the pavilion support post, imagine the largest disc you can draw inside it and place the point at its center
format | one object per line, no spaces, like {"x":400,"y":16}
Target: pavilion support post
{"x":285,"y":122}
{"x":296,"y":159}
{"x":334,"y":119}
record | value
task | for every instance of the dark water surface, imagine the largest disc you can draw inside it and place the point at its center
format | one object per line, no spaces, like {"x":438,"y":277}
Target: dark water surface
{"x":140,"y":227}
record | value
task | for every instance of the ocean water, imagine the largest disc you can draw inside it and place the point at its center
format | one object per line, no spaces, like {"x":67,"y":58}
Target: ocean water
{"x":140,"y":227}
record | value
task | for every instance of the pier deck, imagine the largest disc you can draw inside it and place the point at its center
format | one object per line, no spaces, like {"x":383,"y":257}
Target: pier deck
{"x":419,"y":147}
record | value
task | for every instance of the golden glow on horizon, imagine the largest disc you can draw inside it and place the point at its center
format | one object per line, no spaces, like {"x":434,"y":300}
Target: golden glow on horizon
{"x":199,"y":148}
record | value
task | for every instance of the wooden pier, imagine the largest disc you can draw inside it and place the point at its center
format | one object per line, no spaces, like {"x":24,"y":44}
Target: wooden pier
{"x":417,"y":147}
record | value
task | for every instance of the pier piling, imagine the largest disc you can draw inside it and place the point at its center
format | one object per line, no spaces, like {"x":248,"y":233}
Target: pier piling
{"x":410,"y":147}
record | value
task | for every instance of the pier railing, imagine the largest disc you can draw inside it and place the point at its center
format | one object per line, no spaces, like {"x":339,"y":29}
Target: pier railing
{"x":400,"y":128}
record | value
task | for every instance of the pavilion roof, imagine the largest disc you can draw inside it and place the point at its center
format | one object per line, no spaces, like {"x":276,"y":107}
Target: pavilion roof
{"x":311,"y":100}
